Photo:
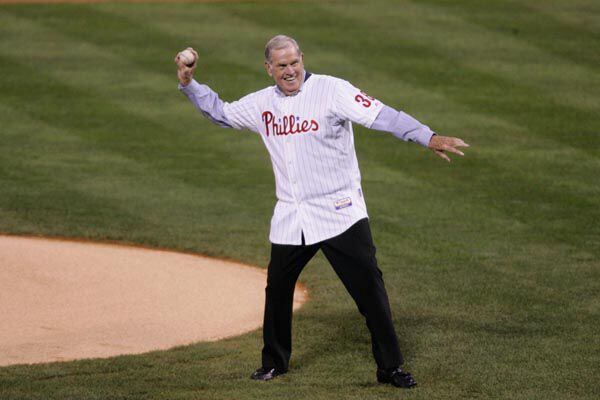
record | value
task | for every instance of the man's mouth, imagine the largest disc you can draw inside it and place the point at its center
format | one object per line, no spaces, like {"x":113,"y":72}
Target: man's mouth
{"x":290,"y":79}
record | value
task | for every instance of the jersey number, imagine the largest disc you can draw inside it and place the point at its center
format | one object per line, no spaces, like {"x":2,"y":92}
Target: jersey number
{"x":364,"y":99}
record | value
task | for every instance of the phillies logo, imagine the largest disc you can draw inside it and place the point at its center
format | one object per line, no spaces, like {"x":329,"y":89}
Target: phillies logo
{"x":287,"y":125}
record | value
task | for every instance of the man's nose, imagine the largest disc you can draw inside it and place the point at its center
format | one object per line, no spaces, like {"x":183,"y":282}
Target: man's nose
{"x":288,"y":70}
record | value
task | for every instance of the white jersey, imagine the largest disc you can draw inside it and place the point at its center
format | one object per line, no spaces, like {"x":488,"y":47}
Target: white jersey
{"x":310,"y":140}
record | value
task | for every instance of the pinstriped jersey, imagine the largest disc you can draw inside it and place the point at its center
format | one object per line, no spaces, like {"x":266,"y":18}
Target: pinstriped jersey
{"x":310,"y":141}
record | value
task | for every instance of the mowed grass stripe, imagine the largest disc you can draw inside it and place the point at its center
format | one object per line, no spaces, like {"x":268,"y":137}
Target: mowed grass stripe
{"x":150,"y":96}
{"x":533,"y":176}
{"x":579,"y":14}
{"x":127,"y":36}
{"x":508,"y":53}
{"x":500,"y":195}
{"x":338,"y":56}
{"x":479,"y":297}
{"x":525,"y":184}
{"x":78,"y":189}
{"x":102,"y":125}
{"x":390,"y":68}
{"x":342,"y":59}
{"x":508,"y":262}
{"x":520,"y":193}
{"x":420,"y":62}
{"x":115,"y":128}
{"x":536,"y":23}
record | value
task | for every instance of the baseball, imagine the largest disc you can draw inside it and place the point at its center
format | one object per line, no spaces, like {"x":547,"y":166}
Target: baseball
{"x":187,"y":57}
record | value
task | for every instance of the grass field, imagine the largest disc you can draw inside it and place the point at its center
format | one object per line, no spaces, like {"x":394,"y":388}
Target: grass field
{"x":492,"y":263}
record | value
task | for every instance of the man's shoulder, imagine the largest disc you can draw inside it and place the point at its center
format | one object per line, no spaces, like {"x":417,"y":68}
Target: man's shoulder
{"x":261,"y":92}
{"x":322,"y":78}
{"x":329,"y":83}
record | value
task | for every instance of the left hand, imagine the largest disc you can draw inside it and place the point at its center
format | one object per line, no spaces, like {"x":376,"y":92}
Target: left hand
{"x":442,"y":144}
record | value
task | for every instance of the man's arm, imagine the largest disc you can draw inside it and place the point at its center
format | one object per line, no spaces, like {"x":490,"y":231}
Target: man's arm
{"x":203,"y":97}
{"x":207,"y":102}
{"x":405,"y":127}
{"x":352,"y":104}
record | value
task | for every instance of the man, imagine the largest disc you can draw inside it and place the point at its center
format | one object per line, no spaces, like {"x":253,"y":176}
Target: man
{"x":305,"y":121}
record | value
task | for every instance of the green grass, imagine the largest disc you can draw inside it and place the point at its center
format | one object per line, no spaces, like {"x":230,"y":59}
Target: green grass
{"x":492,"y":263}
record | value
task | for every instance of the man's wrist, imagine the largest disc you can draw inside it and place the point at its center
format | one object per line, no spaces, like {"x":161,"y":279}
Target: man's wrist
{"x":431,"y":138}
{"x":192,"y":88}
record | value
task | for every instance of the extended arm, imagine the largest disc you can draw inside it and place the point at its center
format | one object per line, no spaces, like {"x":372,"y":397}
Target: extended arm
{"x":405,"y":127}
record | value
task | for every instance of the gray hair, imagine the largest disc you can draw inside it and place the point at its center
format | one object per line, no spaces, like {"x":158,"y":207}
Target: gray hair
{"x":279,"y":42}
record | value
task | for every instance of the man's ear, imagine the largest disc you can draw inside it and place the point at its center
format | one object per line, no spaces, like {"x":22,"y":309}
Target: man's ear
{"x":268,"y":69}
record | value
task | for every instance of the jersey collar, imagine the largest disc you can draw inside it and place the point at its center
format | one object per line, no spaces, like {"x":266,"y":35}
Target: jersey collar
{"x":306,"y":76}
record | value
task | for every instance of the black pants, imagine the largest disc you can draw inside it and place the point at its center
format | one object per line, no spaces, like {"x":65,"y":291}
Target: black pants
{"x":352,"y":256}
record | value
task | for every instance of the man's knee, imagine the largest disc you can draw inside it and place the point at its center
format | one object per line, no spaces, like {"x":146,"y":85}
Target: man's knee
{"x":279,"y":288}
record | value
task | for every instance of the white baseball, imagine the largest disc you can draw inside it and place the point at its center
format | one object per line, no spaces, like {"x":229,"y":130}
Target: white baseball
{"x":187,"y":57}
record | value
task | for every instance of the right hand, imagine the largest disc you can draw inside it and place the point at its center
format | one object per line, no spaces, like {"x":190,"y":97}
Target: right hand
{"x":185,"y":73}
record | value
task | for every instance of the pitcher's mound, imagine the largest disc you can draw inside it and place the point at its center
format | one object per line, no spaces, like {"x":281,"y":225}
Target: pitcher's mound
{"x":63,"y":300}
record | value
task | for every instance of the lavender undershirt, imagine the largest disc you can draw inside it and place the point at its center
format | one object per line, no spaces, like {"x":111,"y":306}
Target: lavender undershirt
{"x":398,"y":123}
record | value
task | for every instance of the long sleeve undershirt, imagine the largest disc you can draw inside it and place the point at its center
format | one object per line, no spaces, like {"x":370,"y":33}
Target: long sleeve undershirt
{"x":398,"y":123}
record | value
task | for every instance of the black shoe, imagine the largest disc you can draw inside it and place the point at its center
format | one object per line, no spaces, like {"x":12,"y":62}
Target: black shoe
{"x":397,"y":377}
{"x":266,"y":374}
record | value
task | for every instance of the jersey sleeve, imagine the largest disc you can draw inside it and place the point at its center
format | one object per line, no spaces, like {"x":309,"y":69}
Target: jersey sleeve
{"x":350,"y":103}
{"x":403,"y":126}
{"x":241,"y":114}
{"x":206,"y":101}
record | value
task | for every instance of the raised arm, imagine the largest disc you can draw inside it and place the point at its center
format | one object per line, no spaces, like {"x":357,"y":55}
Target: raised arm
{"x":201,"y":96}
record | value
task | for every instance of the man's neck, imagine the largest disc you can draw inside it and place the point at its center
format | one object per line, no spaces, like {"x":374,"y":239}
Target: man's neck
{"x":305,"y":76}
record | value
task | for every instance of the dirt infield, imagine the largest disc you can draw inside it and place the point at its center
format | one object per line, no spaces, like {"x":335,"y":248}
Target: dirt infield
{"x":64,"y":300}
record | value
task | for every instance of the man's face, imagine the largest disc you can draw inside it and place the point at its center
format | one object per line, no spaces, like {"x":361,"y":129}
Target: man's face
{"x":286,"y":68}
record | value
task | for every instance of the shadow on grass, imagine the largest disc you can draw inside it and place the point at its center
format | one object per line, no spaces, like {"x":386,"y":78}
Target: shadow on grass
{"x":336,"y":339}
